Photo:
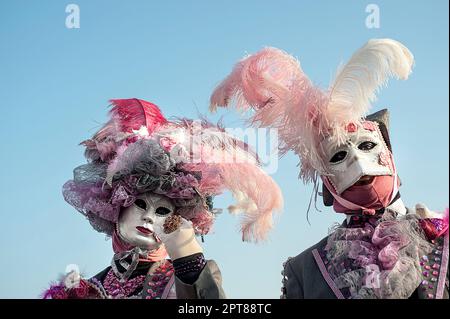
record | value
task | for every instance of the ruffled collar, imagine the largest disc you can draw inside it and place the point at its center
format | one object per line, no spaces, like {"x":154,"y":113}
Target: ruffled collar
{"x":377,"y":256}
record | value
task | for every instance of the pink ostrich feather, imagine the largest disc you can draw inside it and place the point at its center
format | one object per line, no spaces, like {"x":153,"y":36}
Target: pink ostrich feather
{"x":227,"y":163}
{"x":274,"y":85}
{"x":257,"y":197}
{"x":131,"y":114}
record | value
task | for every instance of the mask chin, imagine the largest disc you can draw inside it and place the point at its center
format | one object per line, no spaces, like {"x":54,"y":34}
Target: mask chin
{"x":133,"y":238}
{"x":147,"y":243}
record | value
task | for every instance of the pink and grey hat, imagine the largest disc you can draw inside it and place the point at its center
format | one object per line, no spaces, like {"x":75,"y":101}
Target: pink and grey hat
{"x":138,"y":150}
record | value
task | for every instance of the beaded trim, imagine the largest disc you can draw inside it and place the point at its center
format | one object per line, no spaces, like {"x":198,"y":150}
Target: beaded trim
{"x":118,"y":289}
{"x":158,"y":282}
{"x":191,"y":266}
{"x":444,"y":269}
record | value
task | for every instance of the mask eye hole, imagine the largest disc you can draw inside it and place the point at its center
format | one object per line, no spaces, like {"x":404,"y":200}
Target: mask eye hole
{"x":140,"y":203}
{"x":366,"y":146}
{"x":162,"y":211}
{"x":339,"y":156}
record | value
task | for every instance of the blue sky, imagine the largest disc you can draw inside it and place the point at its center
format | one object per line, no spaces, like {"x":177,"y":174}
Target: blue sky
{"x":55,"y":83}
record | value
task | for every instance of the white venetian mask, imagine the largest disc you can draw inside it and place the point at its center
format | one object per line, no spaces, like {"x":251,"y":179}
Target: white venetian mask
{"x":364,"y":154}
{"x":138,"y":222}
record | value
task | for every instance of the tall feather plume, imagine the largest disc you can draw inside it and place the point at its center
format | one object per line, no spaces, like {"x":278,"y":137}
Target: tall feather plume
{"x":357,"y":82}
{"x":229,"y":87}
{"x":274,"y":85}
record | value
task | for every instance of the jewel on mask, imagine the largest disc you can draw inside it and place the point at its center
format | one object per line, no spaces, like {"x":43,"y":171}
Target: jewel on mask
{"x":172,"y":223}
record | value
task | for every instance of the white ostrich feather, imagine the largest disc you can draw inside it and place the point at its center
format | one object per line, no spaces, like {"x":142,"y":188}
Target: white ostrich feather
{"x":357,"y":82}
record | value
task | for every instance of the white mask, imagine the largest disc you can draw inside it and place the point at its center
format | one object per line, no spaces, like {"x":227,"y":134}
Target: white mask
{"x":364,"y":154}
{"x":137,"y":223}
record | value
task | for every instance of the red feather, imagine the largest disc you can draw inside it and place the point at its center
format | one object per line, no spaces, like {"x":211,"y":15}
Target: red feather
{"x":131,"y":114}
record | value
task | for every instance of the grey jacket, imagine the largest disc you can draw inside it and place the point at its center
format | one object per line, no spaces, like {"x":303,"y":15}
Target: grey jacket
{"x":302,"y":278}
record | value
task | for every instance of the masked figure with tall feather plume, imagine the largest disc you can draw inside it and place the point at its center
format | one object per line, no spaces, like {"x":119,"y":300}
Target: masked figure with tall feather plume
{"x":149,"y":184}
{"x":382,"y":249}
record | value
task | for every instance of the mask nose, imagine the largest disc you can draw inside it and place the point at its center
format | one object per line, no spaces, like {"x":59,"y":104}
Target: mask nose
{"x":148,"y":218}
{"x":354,"y":157}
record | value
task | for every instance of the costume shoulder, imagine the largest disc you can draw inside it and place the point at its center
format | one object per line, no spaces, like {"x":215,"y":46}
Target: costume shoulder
{"x":301,"y":274}
{"x":304,"y":258}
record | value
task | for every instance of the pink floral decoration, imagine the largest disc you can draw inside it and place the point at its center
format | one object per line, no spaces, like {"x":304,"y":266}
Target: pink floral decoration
{"x":351,"y":127}
{"x":370,"y":126}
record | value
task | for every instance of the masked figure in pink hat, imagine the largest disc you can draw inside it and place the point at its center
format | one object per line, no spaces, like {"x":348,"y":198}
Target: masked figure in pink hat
{"x":383,"y":249}
{"x":149,"y":184}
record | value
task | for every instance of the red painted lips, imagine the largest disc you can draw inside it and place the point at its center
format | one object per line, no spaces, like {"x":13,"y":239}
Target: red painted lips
{"x":144,"y":230}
